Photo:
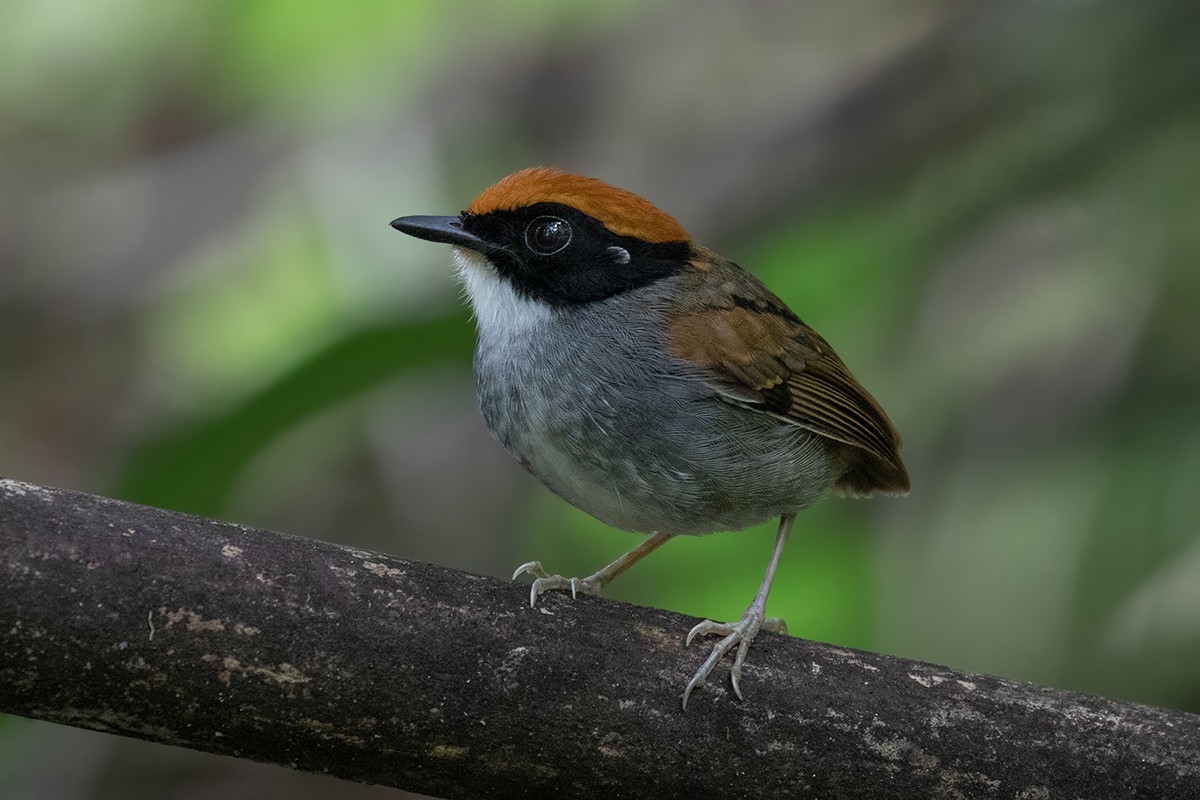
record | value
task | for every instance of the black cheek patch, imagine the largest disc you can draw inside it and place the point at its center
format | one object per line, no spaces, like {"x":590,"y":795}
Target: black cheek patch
{"x":598,"y":273}
{"x":596,"y":265}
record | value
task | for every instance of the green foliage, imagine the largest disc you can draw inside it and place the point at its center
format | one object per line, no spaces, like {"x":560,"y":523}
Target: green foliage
{"x":194,"y":466}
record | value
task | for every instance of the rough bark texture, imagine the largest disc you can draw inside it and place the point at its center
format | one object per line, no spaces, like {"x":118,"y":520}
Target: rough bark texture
{"x":213,"y":636}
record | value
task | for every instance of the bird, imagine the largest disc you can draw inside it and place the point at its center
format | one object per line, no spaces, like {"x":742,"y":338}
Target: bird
{"x":651,"y":382}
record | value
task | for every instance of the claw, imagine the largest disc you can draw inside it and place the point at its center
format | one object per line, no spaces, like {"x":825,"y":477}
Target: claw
{"x":545,"y":582}
{"x":534,"y":568}
{"x":740,"y":633}
{"x":706,"y":628}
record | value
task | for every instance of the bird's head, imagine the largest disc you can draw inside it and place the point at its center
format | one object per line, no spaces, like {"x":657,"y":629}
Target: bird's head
{"x":557,"y":239}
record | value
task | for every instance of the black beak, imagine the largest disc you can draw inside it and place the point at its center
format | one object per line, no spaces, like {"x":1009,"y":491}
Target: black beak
{"x":447,"y":230}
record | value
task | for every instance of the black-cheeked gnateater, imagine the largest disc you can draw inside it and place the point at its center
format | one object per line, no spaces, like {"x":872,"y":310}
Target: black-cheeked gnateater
{"x":651,"y":382}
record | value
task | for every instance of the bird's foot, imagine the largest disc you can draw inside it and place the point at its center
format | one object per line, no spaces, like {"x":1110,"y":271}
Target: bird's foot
{"x":545,"y":582}
{"x":740,"y":633}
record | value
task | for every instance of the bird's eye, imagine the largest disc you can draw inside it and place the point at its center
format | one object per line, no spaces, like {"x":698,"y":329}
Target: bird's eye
{"x":547,"y":235}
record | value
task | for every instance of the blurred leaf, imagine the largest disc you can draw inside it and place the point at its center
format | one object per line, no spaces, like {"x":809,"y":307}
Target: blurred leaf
{"x":194,"y":468}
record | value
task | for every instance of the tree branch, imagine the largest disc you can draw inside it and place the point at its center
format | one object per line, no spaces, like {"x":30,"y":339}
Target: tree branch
{"x":213,"y":636}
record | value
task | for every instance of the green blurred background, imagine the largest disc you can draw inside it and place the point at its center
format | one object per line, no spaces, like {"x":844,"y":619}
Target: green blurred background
{"x":991,"y":210}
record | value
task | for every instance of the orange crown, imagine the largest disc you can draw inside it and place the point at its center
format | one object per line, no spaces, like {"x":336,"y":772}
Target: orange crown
{"x":624,"y":213}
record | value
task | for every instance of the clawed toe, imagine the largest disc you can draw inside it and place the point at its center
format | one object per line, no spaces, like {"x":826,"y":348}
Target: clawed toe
{"x":708,"y":628}
{"x":545,"y":582}
{"x":534,"y":568}
{"x":741,"y":634}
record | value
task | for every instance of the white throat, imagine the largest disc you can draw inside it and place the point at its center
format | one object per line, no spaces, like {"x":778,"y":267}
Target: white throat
{"x":499,"y":310}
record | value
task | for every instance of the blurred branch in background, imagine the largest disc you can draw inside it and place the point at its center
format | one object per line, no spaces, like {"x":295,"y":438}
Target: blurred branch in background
{"x":989,"y":209}
{"x":207,"y":635}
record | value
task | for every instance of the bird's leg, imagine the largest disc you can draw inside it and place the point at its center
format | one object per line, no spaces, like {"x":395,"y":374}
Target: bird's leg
{"x":741,"y":633}
{"x":594,"y":583}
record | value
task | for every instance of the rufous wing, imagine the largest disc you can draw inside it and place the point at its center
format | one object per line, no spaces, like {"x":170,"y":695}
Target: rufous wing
{"x":762,"y":357}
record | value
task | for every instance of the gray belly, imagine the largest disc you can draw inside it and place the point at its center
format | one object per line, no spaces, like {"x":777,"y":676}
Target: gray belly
{"x":639,"y":447}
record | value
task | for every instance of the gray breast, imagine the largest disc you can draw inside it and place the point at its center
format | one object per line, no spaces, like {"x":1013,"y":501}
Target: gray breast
{"x":589,"y":403}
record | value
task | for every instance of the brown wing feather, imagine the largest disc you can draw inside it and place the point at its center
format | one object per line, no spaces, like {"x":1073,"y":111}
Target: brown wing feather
{"x":764,"y":358}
